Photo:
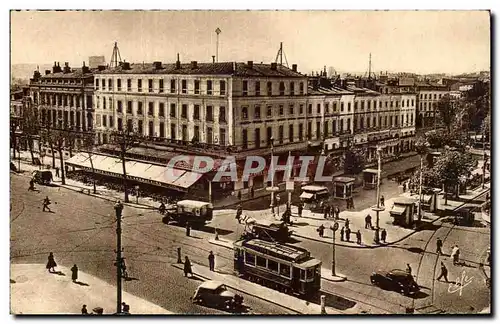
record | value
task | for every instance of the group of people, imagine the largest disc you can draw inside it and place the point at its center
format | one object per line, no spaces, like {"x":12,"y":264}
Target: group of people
{"x":330,"y":211}
{"x":188,"y":269}
{"x":51,"y":265}
{"x":455,"y":255}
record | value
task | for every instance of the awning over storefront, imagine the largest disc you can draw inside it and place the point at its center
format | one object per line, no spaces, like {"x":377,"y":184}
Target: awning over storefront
{"x":398,"y":210}
{"x":306,"y":195}
{"x":138,"y":171}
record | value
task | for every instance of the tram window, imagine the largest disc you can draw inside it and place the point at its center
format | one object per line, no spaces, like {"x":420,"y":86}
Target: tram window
{"x":272,"y":265}
{"x":203,"y":211}
{"x":310,"y":273}
{"x":249,"y":258}
{"x":285,"y":270}
{"x":302,"y":274}
{"x":261,"y":262}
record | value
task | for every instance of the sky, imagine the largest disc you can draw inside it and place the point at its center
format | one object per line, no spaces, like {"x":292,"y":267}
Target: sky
{"x":399,"y":41}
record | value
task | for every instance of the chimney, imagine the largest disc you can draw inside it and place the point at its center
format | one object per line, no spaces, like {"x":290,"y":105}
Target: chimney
{"x":67,"y":69}
{"x":54,"y":68}
{"x":157,"y":65}
{"x":294,"y":67}
{"x":274,"y":66}
{"x":194,"y":65}
{"x":125,"y":65}
{"x":85,"y":69}
{"x":101,"y":67}
{"x":47,"y":72}
{"x":213,"y":58}
{"x":178,"y":63}
{"x":250,"y":64}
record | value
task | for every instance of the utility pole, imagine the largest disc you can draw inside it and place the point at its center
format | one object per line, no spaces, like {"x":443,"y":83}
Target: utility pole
{"x":272,"y":174}
{"x":118,"y":211}
{"x":217,"y":31}
{"x":377,"y":208}
{"x":289,"y":191}
{"x":334,"y":228}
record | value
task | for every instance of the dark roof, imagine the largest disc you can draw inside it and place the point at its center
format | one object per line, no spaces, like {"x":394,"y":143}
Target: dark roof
{"x":222,"y":68}
{"x":75,"y":73}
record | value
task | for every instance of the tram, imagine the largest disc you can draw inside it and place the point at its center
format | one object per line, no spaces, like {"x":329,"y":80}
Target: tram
{"x":282,"y":267}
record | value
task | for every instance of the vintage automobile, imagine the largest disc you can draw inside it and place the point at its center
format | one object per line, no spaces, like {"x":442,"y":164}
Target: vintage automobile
{"x":215,"y":293}
{"x":314,"y":197}
{"x":42,"y":177}
{"x":197,"y":213}
{"x":397,"y":280}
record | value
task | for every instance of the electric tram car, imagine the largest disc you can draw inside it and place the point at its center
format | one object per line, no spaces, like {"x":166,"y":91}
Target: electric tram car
{"x":268,"y":231}
{"x":282,"y":267}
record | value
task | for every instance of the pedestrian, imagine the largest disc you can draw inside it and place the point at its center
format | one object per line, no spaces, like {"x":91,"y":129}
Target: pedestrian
{"x":51,"y":263}
{"x":408,"y":269}
{"x":46,"y":203}
{"x":347,"y":203}
{"x":439,"y":246}
{"x":383,"y":235}
{"x":325,"y":211}
{"x":162,"y":208}
{"x":211,"y":261}
{"x":368,"y":222}
{"x":300,"y":207}
{"x":188,"y":229}
{"x":239,"y":195}
{"x":125,"y":308}
{"x":342,"y":233}
{"x":455,"y":254}
{"x":337,"y":212}
{"x":252,"y":192}
{"x":444,"y":273}
{"x":74,"y":273}
{"x":32,"y":185}
{"x":348,"y":234}
{"x":352,"y":202}
{"x":358,"y":237}
{"x":321,"y":230}
{"x":187,"y":267}
{"x":347,"y":222}
{"x":57,"y":171}
{"x":84,"y":310}
{"x":404,"y":187}
{"x":382,"y":200}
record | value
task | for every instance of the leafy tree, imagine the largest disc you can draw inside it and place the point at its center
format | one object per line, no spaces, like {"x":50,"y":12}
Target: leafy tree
{"x":125,"y":140}
{"x":450,"y":167}
{"x":88,"y":146}
{"x":59,"y":141}
{"x":48,"y":136}
{"x":447,"y":109}
{"x":353,"y":160}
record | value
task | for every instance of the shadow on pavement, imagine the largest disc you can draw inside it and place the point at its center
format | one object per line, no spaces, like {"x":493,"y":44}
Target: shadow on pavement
{"x":60,"y":273}
{"x":81,"y":283}
{"x":130,"y":279}
{"x":419,"y":295}
{"x":299,"y":224}
{"x":415,"y":250}
{"x":332,"y":300}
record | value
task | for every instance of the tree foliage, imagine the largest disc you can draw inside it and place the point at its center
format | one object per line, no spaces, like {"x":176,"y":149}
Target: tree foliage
{"x":353,"y":160}
{"x":447,"y":109}
{"x":451,"y":167}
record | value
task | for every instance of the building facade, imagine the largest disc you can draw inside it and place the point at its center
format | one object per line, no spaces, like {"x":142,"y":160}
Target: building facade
{"x":428,"y":96}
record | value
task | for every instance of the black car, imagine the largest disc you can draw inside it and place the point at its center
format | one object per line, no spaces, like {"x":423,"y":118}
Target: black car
{"x":397,"y":280}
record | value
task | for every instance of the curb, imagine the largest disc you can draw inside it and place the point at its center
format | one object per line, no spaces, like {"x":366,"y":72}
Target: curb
{"x":177,"y":266}
{"x":337,"y":278}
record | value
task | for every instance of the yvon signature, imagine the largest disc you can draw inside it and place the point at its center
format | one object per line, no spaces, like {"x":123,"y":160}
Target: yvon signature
{"x":459,"y":284}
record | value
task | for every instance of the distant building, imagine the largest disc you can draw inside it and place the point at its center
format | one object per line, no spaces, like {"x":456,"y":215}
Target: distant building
{"x":95,"y":61}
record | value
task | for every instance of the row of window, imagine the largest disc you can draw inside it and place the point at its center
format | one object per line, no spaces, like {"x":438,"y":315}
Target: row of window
{"x":100,"y":84}
{"x":431,"y":105}
{"x":60,"y":81}
{"x":59,"y":118}
{"x":173,"y":111}
{"x":271,"y":265}
{"x":63,"y":100}
{"x":387,"y":104}
{"x":386,"y":121}
{"x":256,"y":89}
{"x":211,"y":137}
{"x":436,"y":96}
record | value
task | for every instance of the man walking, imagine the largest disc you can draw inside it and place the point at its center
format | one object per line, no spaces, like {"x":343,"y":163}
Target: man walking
{"x":347,"y":223}
{"x":408,"y":269}
{"x":300,"y":207}
{"x":383,"y":235}
{"x":358,"y":237}
{"x":337,"y":212}
{"x":342,"y":234}
{"x":444,"y":273}
{"x":321,"y":230}
{"x":439,"y":246}
{"x":455,"y":254}
{"x":188,"y":229}
{"x":325,"y":211}
{"x":74,"y":273}
{"x":382,"y":200}
{"x":368,"y":222}
{"x":46,"y":203}
{"x":348,"y":234}
{"x":32,"y":185}
{"x":57,"y":171}
{"x":211,"y":261}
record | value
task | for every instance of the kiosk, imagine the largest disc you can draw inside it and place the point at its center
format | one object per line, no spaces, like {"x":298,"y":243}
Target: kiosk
{"x":342,"y":187}
{"x":370,"y":178}
{"x":402,"y":211}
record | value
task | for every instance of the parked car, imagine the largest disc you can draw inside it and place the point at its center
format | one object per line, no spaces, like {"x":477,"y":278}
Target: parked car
{"x":397,"y":280}
{"x":214,"y":293}
{"x":42,"y":177}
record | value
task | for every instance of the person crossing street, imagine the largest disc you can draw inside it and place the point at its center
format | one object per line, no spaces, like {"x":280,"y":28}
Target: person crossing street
{"x":46,"y":203}
{"x":444,"y":273}
{"x":211,"y":261}
{"x":439,"y":246}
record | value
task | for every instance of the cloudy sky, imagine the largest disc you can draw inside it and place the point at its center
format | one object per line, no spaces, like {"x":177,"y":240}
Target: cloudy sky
{"x":412,"y":41}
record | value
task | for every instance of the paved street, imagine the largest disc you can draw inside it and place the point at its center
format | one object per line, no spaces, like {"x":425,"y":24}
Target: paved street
{"x":82,"y":231}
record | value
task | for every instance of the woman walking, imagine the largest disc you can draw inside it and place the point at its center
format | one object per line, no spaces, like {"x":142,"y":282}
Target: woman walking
{"x":51,"y":263}
{"x":74,"y":273}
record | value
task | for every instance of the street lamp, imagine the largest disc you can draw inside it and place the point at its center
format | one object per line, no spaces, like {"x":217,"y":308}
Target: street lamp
{"x":272,"y":174}
{"x":377,"y":209}
{"x":422,"y":150}
{"x":118,"y":211}
{"x":334,"y":228}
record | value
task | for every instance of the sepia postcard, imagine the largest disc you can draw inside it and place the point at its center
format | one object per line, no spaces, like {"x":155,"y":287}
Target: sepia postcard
{"x":250,"y":162}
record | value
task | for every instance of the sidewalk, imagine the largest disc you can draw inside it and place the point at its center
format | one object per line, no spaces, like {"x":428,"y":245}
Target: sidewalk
{"x":283,"y":300}
{"x":33,"y":290}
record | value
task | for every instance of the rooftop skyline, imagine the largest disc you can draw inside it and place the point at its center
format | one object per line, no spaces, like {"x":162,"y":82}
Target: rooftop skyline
{"x":408,"y":41}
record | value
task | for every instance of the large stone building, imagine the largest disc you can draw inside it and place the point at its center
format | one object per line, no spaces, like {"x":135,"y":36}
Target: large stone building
{"x":63,"y":98}
{"x":428,"y":96}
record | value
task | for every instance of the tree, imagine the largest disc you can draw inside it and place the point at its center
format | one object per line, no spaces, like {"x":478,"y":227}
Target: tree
{"x":125,"y":140}
{"x":88,"y":146}
{"x":59,"y":140}
{"x":30,"y":127}
{"x":447,"y":109}
{"x":354,"y":160}
{"x":48,"y":136}
{"x":450,"y":167}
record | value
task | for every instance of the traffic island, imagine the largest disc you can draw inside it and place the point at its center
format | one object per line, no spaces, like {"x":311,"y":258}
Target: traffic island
{"x":327,"y":275}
